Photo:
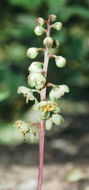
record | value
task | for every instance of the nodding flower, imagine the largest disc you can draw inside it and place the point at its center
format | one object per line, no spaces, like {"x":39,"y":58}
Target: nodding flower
{"x":22,"y":127}
{"x":36,"y":80}
{"x":32,"y":52}
{"x":39,"y":30}
{"x":58,"y":91}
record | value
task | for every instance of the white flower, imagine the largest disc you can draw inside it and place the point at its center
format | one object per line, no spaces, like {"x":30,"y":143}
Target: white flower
{"x":57,"y":119}
{"x":48,"y":42}
{"x":36,"y":80}
{"x":58,"y":91}
{"x":22,"y":127}
{"x":28,"y":93}
{"x":32,"y":52}
{"x":48,"y":125}
{"x":46,"y":108}
{"x":39,"y":30}
{"x":60,"y":61}
{"x":57,"y":25}
{"x":35,"y":67}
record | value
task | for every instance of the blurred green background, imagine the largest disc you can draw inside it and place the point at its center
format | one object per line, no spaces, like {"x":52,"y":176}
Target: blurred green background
{"x":16,"y":36}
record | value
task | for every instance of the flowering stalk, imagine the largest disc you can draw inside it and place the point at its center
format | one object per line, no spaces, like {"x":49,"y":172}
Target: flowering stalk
{"x":42,"y":122}
{"x":49,"y":111}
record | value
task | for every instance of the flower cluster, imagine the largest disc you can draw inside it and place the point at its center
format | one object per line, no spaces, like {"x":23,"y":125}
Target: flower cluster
{"x":25,"y":128}
{"x":37,"y":78}
{"x":49,"y":111}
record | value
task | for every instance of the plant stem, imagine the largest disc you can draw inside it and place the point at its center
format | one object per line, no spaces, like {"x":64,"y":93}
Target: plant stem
{"x":42,"y":123}
{"x":41,"y":154}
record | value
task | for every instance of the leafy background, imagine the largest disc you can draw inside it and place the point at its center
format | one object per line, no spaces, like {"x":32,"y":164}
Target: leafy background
{"x":16,"y":36}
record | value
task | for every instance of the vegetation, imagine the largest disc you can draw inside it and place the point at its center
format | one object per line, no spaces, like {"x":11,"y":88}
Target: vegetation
{"x":16,"y":35}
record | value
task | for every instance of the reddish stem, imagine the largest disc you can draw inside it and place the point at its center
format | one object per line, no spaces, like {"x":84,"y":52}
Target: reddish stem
{"x":41,"y":152}
{"x":49,"y":84}
{"x":42,"y":123}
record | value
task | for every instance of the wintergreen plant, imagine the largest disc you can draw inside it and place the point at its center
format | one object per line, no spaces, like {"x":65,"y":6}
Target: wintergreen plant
{"x":49,"y":111}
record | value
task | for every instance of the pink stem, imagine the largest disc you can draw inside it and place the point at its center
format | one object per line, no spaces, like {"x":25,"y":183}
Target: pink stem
{"x":42,"y":123}
{"x":41,"y":146}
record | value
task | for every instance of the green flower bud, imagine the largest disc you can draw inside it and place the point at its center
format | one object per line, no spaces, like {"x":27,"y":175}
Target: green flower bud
{"x":58,"y":91}
{"x":39,"y":30}
{"x":28,"y":93}
{"x":36,"y":80}
{"x":35,"y":67}
{"x":60,"y":61}
{"x":57,"y":119}
{"x":57,"y":25}
{"x":48,"y":42}
{"x":22,"y":127}
{"x":40,"y":21}
{"x":48,"y":125}
{"x":53,"y":17}
{"x":32,"y":52}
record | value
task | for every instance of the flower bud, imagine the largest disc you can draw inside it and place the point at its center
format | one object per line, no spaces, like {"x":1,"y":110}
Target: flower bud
{"x":60,"y":61}
{"x":57,"y":119}
{"x":48,"y":124}
{"x":53,"y":17}
{"x":22,"y":127}
{"x":58,"y":91}
{"x":35,"y":67}
{"x":57,"y":25}
{"x":40,"y":21}
{"x":55,"y":44}
{"x":36,"y":80}
{"x":32,"y":52}
{"x":39,"y":30}
{"x":48,"y":42}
